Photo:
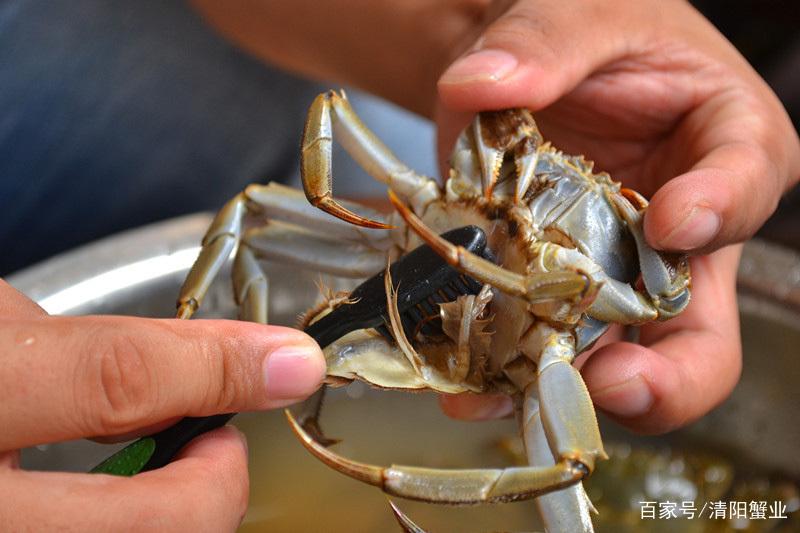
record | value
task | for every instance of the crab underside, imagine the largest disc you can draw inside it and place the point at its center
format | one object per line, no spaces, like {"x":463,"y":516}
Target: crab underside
{"x":567,"y":252}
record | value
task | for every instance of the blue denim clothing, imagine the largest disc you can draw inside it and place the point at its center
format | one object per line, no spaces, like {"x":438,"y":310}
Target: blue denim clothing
{"x":114,"y":114}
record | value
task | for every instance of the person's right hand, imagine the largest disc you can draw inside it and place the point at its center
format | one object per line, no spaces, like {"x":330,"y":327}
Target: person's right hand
{"x":69,"y":377}
{"x":653,"y":94}
{"x":649,"y":90}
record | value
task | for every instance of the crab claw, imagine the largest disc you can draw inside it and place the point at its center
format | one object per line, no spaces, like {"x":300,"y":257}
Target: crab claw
{"x":666,"y":276}
{"x":468,"y":486}
{"x":499,"y":132}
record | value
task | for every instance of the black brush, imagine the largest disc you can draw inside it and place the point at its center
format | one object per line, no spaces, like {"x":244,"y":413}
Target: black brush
{"x":422,"y":280}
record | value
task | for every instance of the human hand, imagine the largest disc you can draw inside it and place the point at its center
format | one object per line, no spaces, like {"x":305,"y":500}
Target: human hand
{"x":658,"y":98}
{"x":69,"y":377}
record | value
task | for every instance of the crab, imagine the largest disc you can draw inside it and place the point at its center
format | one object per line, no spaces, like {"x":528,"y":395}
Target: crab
{"x":569,"y":258}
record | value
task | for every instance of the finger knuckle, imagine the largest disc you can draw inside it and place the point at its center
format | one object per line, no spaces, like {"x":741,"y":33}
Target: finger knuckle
{"x":227,"y":383}
{"x":120,"y":384}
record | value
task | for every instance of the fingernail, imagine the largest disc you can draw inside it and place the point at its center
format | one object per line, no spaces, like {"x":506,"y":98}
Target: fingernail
{"x":627,"y":399}
{"x":293,"y":372}
{"x":695,"y":231}
{"x":482,"y":66}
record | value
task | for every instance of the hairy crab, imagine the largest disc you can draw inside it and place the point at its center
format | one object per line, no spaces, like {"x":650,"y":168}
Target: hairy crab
{"x":568,"y":258}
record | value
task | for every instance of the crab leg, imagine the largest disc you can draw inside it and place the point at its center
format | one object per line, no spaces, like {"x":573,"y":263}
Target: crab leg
{"x":331,"y":113}
{"x":469,"y":486}
{"x":559,"y":424}
{"x":284,"y":203}
{"x":287,"y":243}
{"x":220,"y":239}
{"x":566,"y":509}
{"x":567,"y":412}
{"x":250,"y":286}
{"x":667,"y":282}
{"x":534,"y":287}
{"x":615,"y":302}
{"x":280,"y":202}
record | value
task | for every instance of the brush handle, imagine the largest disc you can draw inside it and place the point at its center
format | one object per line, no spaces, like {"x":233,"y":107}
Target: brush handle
{"x":155,"y":451}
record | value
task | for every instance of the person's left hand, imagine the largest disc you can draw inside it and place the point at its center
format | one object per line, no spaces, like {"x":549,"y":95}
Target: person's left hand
{"x":116,"y":378}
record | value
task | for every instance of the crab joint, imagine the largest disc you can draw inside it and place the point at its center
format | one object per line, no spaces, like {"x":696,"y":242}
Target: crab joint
{"x":461,"y":487}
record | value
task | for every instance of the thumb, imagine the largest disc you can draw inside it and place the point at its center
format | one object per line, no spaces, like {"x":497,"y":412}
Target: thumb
{"x":530,"y":56}
{"x":69,"y":377}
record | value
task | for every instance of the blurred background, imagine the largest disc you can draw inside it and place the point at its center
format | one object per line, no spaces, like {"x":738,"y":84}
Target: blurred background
{"x":142,"y":109}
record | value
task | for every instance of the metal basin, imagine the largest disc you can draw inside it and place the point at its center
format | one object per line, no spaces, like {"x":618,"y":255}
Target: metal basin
{"x":139,"y":272}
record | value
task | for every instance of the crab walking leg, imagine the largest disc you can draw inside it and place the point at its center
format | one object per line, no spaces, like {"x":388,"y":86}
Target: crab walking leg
{"x":535,"y":287}
{"x":250,"y":286}
{"x":565,"y":510}
{"x":274,"y":201}
{"x":469,"y":486}
{"x":282,"y":203}
{"x":219,"y":241}
{"x":331,"y":113}
{"x":290,"y":244}
{"x":667,"y":283}
{"x":567,"y":412}
{"x":616,"y":301}
{"x":310,"y":416}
